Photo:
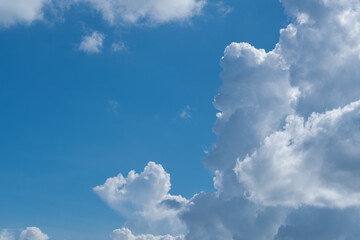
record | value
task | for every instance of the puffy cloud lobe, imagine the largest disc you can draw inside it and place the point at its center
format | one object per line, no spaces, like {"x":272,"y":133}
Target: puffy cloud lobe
{"x":255,"y":98}
{"x":256,"y":87}
{"x":33,"y":233}
{"x":21,"y":11}
{"x":30,"y":233}
{"x":126,"y":234}
{"x":92,"y":43}
{"x":153,"y":11}
{"x":322,"y":50}
{"x":145,"y":200}
{"x":313,"y":163}
{"x":6,"y":235}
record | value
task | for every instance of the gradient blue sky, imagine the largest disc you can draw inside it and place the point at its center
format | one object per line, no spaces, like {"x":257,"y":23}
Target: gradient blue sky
{"x":70,"y":119}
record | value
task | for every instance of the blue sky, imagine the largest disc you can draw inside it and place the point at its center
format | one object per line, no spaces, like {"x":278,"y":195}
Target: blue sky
{"x":61,"y":134}
{"x":252,"y":107}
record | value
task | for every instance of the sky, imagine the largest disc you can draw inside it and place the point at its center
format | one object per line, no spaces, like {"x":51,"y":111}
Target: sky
{"x":179,"y":119}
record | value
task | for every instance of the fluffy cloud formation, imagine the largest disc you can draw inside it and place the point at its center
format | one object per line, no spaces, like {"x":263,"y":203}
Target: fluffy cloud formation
{"x":6,"y":235}
{"x":33,"y":233}
{"x":145,"y":200}
{"x":21,"y":11}
{"x":92,"y":43}
{"x":313,"y":163}
{"x":286,"y":160}
{"x":153,"y":11}
{"x":288,"y":133}
{"x":30,"y":233}
{"x":126,"y":234}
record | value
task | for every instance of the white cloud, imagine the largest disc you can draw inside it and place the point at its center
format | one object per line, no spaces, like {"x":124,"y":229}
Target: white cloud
{"x":185,"y":113}
{"x":6,"y":235}
{"x":33,"y":233}
{"x":145,"y":200}
{"x":21,"y":11}
{"x":286,"y":160}
{"x":288,"y":133}
{"x":308,"y":163}
{"x":114,"y":105}
{"x":153,"y":11}
{"x":223,"y":8}
{"x":118,"y":47}
{"x":92,"y":43}
{"x":30,"y":233}
{"x":126,"y":234}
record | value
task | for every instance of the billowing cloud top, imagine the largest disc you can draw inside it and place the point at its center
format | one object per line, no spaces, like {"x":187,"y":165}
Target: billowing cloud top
{"x":287,"y":158}
{"x":145,"y":200}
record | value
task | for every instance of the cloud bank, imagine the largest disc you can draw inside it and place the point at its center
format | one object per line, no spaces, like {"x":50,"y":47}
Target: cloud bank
{"x":286,"y":160}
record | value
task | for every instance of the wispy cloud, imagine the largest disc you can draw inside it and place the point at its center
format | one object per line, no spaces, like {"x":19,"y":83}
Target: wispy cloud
{"x":223,"y":8}
{"x":113,"y":105}
{"x":185,"y":113}
{"x":118,"y":46}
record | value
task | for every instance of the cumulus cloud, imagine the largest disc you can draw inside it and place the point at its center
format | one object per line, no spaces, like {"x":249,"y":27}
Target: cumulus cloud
{"x":145,"y":200}
{"x":92,"y":43}
{"x":33,"y":233}
{"x":288,"y":133}
{"x":126,"y":234}
{"x":308,"y":163}
{"x":30,"y":233}
{"x":6,"y":235}
{"x":153,"y":11}
{"x":286,"y":160}
{"x":21,"y":11}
